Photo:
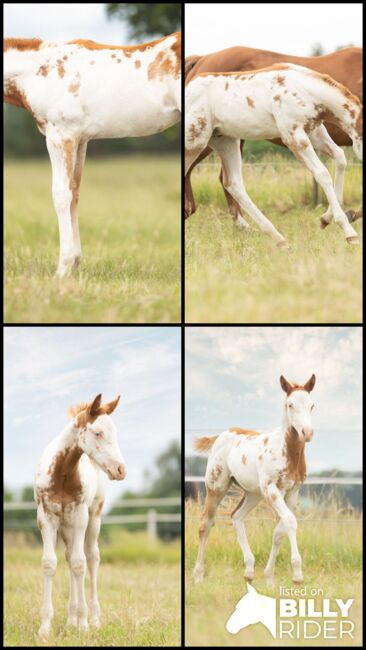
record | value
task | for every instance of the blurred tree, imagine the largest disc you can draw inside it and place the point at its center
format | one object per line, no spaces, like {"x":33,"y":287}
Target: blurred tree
{"x":147,"y":19}
{"x":317,"y":50}
{"x":28,"y":493}
{"x":8,"y":496}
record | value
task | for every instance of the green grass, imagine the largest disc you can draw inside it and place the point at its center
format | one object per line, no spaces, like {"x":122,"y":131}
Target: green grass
{"x":130,"y":225}
{"x":138,"y":587}
{"x":241,"y":277}
{"x":332,"y":559}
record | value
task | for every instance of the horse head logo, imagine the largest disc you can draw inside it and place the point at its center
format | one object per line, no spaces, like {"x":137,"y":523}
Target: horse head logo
{"x":253,"y":608}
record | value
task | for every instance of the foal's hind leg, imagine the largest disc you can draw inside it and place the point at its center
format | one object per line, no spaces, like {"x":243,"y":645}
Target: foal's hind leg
{"x":75,"y":187}
{"x":300,"y":145}
{"x":213,"y":498}
{"x":72,"y":616}
{"x":229,"y":152}
{"x":234,"y":207}
{"x":321,"y":141}
{"x":248,"y":502}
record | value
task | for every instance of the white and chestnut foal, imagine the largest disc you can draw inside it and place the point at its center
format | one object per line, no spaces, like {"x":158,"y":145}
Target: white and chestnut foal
{"x":266,"y":466}
{"x":70,"y":496}
{"x":81,"y":90}
{"x":284,"y":101}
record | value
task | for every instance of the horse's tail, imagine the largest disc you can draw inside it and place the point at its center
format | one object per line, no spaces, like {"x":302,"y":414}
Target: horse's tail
{"x":204,"y":443}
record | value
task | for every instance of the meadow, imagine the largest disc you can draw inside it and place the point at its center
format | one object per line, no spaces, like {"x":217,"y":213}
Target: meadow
{"x":138,"y":587}
{"x":330,"y":542}
{"x":241,"y":277}
{"x":130,"y":226}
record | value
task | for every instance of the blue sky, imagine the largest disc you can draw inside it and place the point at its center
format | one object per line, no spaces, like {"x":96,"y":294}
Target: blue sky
{"x":232,"y":379}
{"x":62,"y":21}
{"x":48,"y":369}
{"x":290,"y":28}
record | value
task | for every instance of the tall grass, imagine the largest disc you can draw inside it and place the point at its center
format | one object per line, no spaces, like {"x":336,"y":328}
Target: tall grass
{"x":138,"y":587}
{"x":241,"y":277}
{"x":130,"y":224}
{"x":330,"y":543}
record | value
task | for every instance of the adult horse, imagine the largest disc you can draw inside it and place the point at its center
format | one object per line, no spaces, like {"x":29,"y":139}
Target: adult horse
{"x":80,"y":90}
{"x":345,"y":66}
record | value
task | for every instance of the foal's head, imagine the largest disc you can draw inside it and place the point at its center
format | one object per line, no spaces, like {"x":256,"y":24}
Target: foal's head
{"x":298,"y":407}
{"x":97,"y":436}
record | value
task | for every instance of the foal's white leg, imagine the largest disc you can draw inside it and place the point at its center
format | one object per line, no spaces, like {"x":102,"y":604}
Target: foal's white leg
{"x":48,"y":525}
{"x":78,"y":561}
{"x":300,"y":145}
{"x":322,"y":141}
{"x":72,"y":617}
{"x":248,"y":502}
{"x":207,"y":520}
{"x":289,"y":525}
{"x":278,"y":535}
{"x":79,"y":166}
{"x":63,"y":158}
{"x":229,"y":152}
{"x":92,"y":558}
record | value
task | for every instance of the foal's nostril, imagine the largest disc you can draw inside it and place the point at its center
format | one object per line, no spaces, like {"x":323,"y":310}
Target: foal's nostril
{"x":122,"y":470}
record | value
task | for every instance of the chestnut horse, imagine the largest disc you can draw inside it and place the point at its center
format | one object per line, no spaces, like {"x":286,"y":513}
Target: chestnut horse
{"x":345,"y":66}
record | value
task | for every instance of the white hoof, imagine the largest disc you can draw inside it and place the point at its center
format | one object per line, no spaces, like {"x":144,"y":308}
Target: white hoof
{"x":72,"y":621}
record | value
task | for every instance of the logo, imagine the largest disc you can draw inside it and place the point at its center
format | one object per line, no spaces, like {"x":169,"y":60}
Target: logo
{"x":297,"y":618}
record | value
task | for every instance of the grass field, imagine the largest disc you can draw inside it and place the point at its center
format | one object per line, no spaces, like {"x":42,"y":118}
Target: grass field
{"x":241,"y":277}
{"x":130,"y":225}
{"x":138,"y":587}
{"x":330,"y":544}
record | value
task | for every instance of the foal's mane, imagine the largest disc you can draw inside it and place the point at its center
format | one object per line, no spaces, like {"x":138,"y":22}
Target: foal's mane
{"x":75,"y":410}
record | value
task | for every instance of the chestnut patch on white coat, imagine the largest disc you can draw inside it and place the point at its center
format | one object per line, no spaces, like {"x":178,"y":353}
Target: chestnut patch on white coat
{"x":295,"y":456}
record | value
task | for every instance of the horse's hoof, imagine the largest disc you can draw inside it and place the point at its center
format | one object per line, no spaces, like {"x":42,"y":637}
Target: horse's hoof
{"x":323,"y":223}
{"x":353,"y":240}
{"x":284,"y":245}
{"x":350,"y":214}
{"x":298,"y":581}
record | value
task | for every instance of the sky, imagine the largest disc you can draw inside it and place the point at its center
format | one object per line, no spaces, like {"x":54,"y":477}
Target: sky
{"x":52,"y":21}
{"x":232,"y":379}
{"x":289,"y":28}
{"x":48,"y":369}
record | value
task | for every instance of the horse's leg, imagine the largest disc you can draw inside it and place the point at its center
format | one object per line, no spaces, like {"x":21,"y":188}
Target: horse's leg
{"x":321,"y":141}
{"x":353,"y":215}
{"x":62,"y":154}
{"x":289,"y":525}
{"x":92,"y":558}
{"x":229,"y":152}
{"x":78,"y":560}
{"x":248,"y":502}
{"x":75,"y":187}
{"x":234,"y":207}
{"x":67,"y":536}
{"x":278,"y":534}
{"x":48,"y":525}
{"x":189,"y":198}
{"x":300,"y":145}
{"x":213,"y":498}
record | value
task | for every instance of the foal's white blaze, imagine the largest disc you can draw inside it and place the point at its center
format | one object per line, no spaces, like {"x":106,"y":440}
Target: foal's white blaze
{"x":99,"y":442}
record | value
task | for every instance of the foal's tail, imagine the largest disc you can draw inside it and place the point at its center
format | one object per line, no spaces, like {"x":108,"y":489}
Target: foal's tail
{"x":204,"y":443}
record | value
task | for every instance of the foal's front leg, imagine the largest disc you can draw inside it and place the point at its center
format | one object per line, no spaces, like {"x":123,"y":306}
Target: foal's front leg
{"x":78,"y":561}
{"x":92,"y":558}
{"x":278,"y":534}
{"x":288,"y":526}
{"x":63,"y":154}
{"x":48,"y":525}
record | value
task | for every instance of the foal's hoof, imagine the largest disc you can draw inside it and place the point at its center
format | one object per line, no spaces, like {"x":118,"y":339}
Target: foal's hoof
{"x":323,"y":223}
{"x":298,"y":581}
{"x":353,"y":240}
{"x":72,"y":621}
{"x":44,"y":633}
{"x":283,"y":245}
{"x":95,"y":623}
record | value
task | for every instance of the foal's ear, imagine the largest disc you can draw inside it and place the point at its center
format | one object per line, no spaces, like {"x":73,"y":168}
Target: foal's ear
{"x":110,"y":406}
{"x":310,"y":384}
{"x":286,"y":386}
{"x":94,"y":406}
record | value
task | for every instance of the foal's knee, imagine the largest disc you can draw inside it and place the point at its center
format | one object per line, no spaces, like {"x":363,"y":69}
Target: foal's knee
{"x":49,"y":565}
{"x":78,"y":565}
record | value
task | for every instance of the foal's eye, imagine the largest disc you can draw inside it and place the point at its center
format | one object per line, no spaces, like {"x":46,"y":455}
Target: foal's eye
{"x":290,"y":406}
{"x":98,"y":434}
{"x":312,"y":407}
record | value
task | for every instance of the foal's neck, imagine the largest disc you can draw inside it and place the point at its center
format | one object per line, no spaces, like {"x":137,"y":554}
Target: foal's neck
{"x":68,"y":438}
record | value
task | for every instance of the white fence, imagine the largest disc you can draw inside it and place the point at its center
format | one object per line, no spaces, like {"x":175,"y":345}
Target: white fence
{"x":311,"y":480}
{"x":151,"y":517}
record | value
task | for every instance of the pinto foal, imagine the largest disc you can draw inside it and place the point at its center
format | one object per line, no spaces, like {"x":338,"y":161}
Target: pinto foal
{"x":79,"y":91}
{"x":70,"y":496}
{"x":282,"y":101}
{"x":270,"y":466}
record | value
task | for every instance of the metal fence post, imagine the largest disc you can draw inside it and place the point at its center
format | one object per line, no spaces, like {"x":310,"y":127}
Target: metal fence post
{"x":152,"y":531}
